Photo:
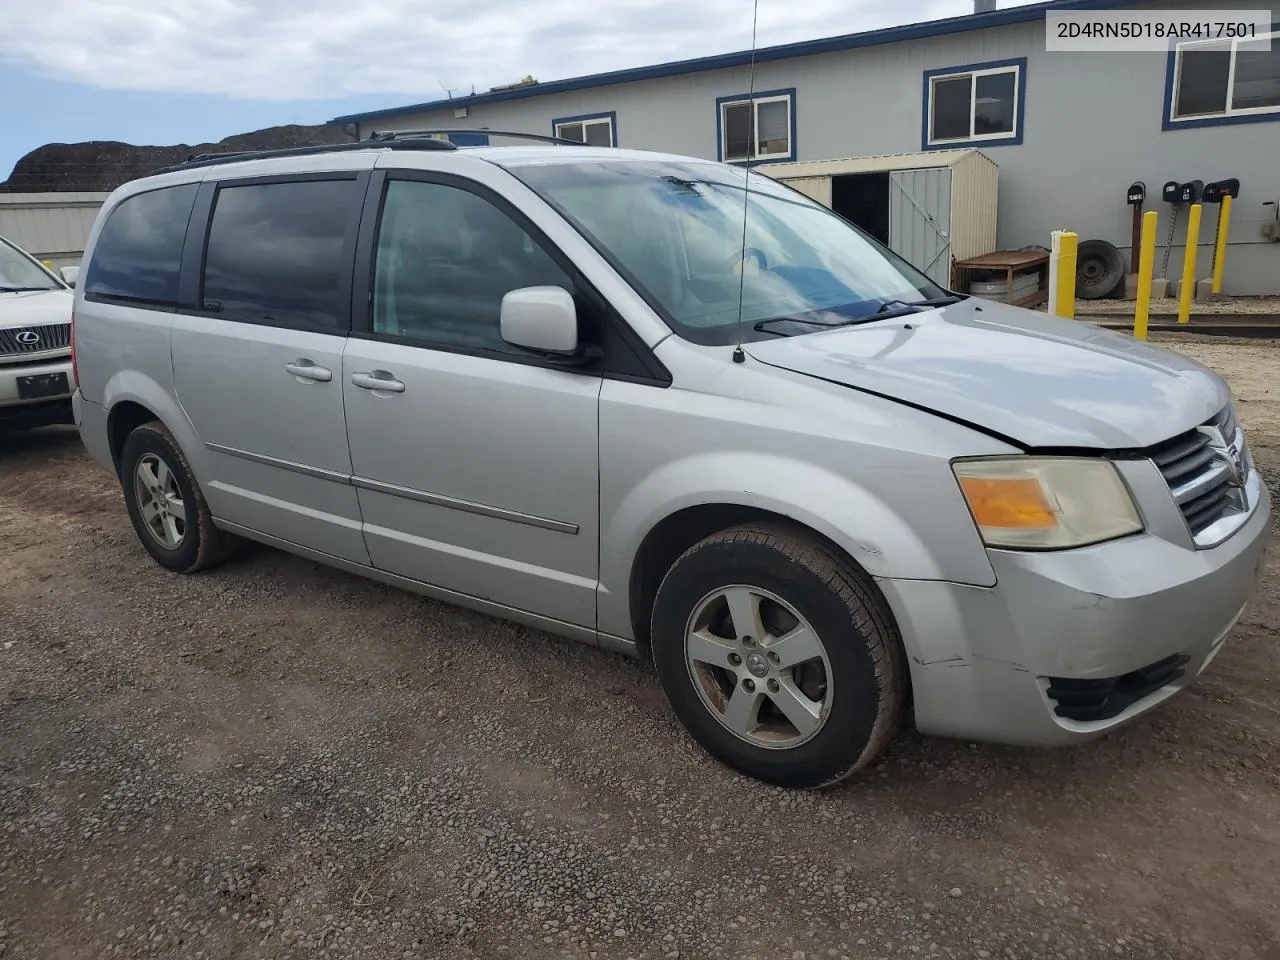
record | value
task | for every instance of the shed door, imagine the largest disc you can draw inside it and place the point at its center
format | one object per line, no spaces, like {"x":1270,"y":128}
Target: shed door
{"x":920,"y":220}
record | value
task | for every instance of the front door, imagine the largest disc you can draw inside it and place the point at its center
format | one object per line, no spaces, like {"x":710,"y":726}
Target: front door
{"x":258,"y":369}
{"x":476,"y":465}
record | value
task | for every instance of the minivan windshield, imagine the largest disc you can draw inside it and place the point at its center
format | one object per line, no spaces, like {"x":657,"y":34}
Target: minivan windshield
{"x":675,"y":231}
{"x":19,"y":273}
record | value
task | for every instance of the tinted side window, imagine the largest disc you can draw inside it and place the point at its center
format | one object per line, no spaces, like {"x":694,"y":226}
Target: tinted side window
{"x":138,"y":255}
{"x":445,"y":259}
{"x":277,"y":252}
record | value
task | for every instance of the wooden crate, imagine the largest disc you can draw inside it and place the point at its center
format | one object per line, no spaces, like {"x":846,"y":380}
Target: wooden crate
{"x":1011,"y":263}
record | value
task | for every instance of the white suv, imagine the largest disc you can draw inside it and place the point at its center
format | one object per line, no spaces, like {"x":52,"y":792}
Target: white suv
{"x":572,"y":386}
{"x":35,"y":342}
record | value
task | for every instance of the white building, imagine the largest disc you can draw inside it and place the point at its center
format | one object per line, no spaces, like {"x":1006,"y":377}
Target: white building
{"x":1068,"y":131}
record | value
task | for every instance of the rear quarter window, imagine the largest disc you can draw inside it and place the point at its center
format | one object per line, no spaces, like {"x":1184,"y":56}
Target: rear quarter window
{"x":138,"y":256}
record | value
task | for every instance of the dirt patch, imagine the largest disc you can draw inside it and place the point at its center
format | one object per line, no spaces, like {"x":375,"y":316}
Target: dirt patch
{"x":276,"y":759}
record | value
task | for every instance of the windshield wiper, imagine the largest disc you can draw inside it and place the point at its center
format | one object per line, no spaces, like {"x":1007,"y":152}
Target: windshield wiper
{"x":763,"y":325}
{"x":888,"y":310}
{"x":22,"y":289}
{"x":934,"y":302}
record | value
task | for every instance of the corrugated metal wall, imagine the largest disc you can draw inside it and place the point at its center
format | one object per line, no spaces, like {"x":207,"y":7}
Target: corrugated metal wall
{"x":50,"y":226}
{"x":920,"y":220}
{"x":974,"y":196}
{"x":816,"y":188}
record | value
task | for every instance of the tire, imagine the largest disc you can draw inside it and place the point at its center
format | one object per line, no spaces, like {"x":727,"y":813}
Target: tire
{"x":198,"y":544}
{"x":1099,"y":269}
{"x":794,"y":575}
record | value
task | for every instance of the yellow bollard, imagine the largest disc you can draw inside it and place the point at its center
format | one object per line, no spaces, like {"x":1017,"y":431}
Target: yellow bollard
{"x":1189,"y":264}
{"x":1220,"y":251}
{"x":1146,"y":269}
{"x":1063,"y":274}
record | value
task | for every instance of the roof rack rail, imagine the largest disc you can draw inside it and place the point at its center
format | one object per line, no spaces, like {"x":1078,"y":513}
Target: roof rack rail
{"x":212,"y":159}
{"x":390,"y":136}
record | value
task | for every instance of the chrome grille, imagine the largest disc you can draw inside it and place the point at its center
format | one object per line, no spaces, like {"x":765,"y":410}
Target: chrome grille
{"x":20,"y":341}
{"x":1206,"y":469}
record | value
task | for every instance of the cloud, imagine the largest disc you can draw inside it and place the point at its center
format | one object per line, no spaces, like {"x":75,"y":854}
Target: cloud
{"x":301,"y":49}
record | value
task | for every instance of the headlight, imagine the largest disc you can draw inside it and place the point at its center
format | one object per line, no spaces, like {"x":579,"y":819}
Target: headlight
{"x":1046,"y":503}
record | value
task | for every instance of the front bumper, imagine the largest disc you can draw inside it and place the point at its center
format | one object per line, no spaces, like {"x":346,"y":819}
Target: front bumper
{"x":15,"y":411}
{"x":982,"y":659}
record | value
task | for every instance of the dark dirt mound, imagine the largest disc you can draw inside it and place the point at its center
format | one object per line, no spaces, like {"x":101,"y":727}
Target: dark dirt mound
{"x":102,"y":165}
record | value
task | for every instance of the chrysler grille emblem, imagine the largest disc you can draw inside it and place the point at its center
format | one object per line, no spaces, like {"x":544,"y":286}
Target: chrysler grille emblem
{"x":1237,"y":465}
{"x":28,"y":338}
{"x":1228,"y":453}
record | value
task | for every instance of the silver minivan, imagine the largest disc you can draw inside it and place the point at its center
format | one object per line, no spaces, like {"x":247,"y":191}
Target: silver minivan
{"x":676,"y":409}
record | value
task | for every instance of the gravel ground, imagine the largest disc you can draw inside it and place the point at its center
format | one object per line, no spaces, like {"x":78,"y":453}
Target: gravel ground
{"x":276,"y":760}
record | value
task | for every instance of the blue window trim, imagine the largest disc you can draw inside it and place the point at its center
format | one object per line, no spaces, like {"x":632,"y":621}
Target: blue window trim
{"x":1168,"y":123}
{"x":1013,"y":141}
{"x":788,"y":92}
{"x":611,"y":116}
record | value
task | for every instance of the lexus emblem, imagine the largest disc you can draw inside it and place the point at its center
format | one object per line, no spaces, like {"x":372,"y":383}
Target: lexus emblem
{"x":28,"y":338}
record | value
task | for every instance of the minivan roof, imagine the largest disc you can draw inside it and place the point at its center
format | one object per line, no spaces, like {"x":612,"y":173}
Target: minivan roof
{"x":503,"y":156}
{"x":362,"y":155}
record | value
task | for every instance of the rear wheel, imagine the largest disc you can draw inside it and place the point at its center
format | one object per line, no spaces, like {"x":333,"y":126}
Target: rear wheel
{"x":779,"y":655}
{"x":166,"y":506}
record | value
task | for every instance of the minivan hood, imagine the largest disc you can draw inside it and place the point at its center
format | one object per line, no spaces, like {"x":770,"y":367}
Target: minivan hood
{"x":1038,"y":380}
{"x":30,"y":308}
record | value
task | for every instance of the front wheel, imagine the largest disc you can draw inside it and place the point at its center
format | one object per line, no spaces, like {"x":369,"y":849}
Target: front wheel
{"x":778,"y":655}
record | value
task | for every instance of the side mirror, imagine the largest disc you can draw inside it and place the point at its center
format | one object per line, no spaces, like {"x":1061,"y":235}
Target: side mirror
{"x":70,"y":275}
{"x":541,"y":319}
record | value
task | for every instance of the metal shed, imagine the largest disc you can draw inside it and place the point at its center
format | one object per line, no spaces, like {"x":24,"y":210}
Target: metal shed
{"x":50,"y":226}
{"x":932,"y":208}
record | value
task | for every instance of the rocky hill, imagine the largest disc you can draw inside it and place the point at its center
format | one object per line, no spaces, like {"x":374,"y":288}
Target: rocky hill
{"x":102,"y":165}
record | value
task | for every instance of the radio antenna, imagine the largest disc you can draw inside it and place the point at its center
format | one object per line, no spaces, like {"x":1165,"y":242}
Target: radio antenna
{"x":739,"y":356}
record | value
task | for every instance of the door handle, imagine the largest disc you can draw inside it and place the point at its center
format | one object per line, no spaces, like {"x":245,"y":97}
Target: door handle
{"x":305,"y":369}
{"x":378,"y":381}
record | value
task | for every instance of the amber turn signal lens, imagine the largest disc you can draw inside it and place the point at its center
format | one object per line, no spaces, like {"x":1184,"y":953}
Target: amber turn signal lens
{"x":1008,"y":503}
{"x":1017,"y":503}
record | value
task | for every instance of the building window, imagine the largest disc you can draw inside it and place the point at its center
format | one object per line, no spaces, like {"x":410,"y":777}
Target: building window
{"x":1224,"y":81}
{"x":981,"y":103}
{"x":595,"y":130}
{"x":761,"y":127}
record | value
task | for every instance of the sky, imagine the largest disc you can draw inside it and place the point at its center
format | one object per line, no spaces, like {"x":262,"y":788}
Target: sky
{"x":194,"y":71}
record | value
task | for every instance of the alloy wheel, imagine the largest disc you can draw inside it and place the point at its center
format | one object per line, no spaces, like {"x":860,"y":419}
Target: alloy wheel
{"x":160,"y":503}
{"x":759,"y":667}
